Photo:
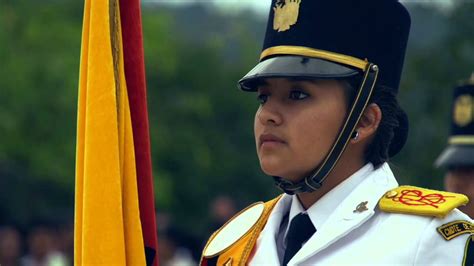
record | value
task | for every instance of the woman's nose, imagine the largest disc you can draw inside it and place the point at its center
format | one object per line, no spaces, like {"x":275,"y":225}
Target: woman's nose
{"x":268,"y":114}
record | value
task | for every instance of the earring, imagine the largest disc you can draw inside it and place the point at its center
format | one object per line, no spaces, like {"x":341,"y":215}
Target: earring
{"x":355,"y":135}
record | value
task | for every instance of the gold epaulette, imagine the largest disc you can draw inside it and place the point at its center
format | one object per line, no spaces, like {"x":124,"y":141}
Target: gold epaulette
{"x":233,"y":243}
{"x":421,"y":201}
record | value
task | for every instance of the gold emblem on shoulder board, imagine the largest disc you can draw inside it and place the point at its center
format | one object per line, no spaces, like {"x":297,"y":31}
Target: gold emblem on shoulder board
{"x":286,"y":14}
{"x":462,"y":114}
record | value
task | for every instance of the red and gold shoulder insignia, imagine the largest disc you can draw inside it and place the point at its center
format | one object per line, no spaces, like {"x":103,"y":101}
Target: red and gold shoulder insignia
{"x":421,"y":201}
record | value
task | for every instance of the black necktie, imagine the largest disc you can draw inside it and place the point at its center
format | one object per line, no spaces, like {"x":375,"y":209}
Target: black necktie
{"x":301,"y":229}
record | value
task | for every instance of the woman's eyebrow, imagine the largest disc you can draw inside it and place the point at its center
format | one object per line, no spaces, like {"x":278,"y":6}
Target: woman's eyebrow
{"x":260,"y":83}
{"x":303,"y":79}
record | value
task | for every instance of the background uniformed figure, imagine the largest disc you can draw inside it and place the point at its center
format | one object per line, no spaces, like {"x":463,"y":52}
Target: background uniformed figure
{"x":458,"y":157}
{"x":327,"y":124}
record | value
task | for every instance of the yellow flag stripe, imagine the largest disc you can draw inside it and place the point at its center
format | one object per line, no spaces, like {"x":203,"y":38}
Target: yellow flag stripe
{"x":107,"y":221}
{"x":78,"y":208}
{"x":100,"y":166}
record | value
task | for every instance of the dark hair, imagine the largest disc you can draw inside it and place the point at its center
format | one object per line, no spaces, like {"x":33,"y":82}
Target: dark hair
{"x":377,"y":152}
{"x":386,"y":99}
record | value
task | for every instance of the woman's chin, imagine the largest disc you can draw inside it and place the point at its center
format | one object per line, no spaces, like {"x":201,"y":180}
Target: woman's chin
{"x":279,"y":173}
{"x":273,"y":168}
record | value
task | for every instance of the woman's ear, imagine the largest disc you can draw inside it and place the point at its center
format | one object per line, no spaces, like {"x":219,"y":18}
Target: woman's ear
{"x":368,"y":123}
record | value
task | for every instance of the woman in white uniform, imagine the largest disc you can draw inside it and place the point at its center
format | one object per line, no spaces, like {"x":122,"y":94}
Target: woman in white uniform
{"x":327,"y":124}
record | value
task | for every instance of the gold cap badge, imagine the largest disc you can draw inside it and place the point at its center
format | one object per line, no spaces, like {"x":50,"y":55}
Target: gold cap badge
{"x":286,"y":14}
{"x":463,"y":110}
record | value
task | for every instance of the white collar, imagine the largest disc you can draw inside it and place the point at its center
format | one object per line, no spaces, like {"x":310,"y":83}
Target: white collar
{"x":325,"y":206}
{"x":342,"y":220}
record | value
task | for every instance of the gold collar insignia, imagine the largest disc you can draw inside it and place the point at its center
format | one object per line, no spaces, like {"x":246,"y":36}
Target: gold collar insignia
{"x":362,"y":207}
{"x":286,"y":14}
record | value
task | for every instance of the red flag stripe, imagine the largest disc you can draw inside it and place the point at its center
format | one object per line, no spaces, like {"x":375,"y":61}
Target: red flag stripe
{"x":136,"y":84}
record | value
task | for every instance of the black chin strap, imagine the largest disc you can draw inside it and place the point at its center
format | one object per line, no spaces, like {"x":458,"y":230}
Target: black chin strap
{"x":316,"y":179}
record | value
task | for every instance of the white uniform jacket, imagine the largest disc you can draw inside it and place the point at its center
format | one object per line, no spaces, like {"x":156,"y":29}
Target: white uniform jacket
{"x":368,"y":236}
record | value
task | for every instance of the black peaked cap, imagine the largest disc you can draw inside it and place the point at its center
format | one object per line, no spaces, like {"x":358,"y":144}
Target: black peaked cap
{"x":460,"y":149}
{"x":308,"y":38}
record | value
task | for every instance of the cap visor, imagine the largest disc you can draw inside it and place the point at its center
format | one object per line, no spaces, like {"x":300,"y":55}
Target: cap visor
{"x":295,"y":66}
{"x":456,"y":155}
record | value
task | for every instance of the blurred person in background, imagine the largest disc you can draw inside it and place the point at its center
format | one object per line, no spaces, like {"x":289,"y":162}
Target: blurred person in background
{"x":327,"y":124}
{"x":66,"y":241}
{"x":176,"y":247}
{"x":43,"y":246}
{"x":222,"y":209}
{"x":10,"y":246}
{"x":171,"y":249}
{"x":458,"y":157}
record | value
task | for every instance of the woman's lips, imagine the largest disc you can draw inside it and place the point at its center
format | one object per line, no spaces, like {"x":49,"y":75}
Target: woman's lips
{"x":268,"y":140}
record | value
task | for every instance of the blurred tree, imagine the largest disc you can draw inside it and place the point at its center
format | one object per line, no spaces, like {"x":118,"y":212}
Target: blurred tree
{"x":39,"y":55}
{"x":439,"y":56}
{"x":202,"y":125}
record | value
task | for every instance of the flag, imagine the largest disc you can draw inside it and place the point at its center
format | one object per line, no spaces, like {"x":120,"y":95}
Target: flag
{"x":107,"y":227}
{"x":136,"y":85}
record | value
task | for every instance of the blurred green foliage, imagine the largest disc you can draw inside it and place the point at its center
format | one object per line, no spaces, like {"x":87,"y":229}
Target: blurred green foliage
{"x":39,"y":52}
{"x":439,"y":57}
{"x":201,"y":124}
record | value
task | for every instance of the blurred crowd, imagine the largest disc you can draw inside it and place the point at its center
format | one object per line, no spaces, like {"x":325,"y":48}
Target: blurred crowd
{"x":179,"y":247}
{"x":52,"y":244}
{"x":41,"y":244}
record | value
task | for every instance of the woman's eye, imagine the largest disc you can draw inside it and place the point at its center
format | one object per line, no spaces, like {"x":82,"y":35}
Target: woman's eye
{"x":298,"y":95}
{"x":262,"y":98}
